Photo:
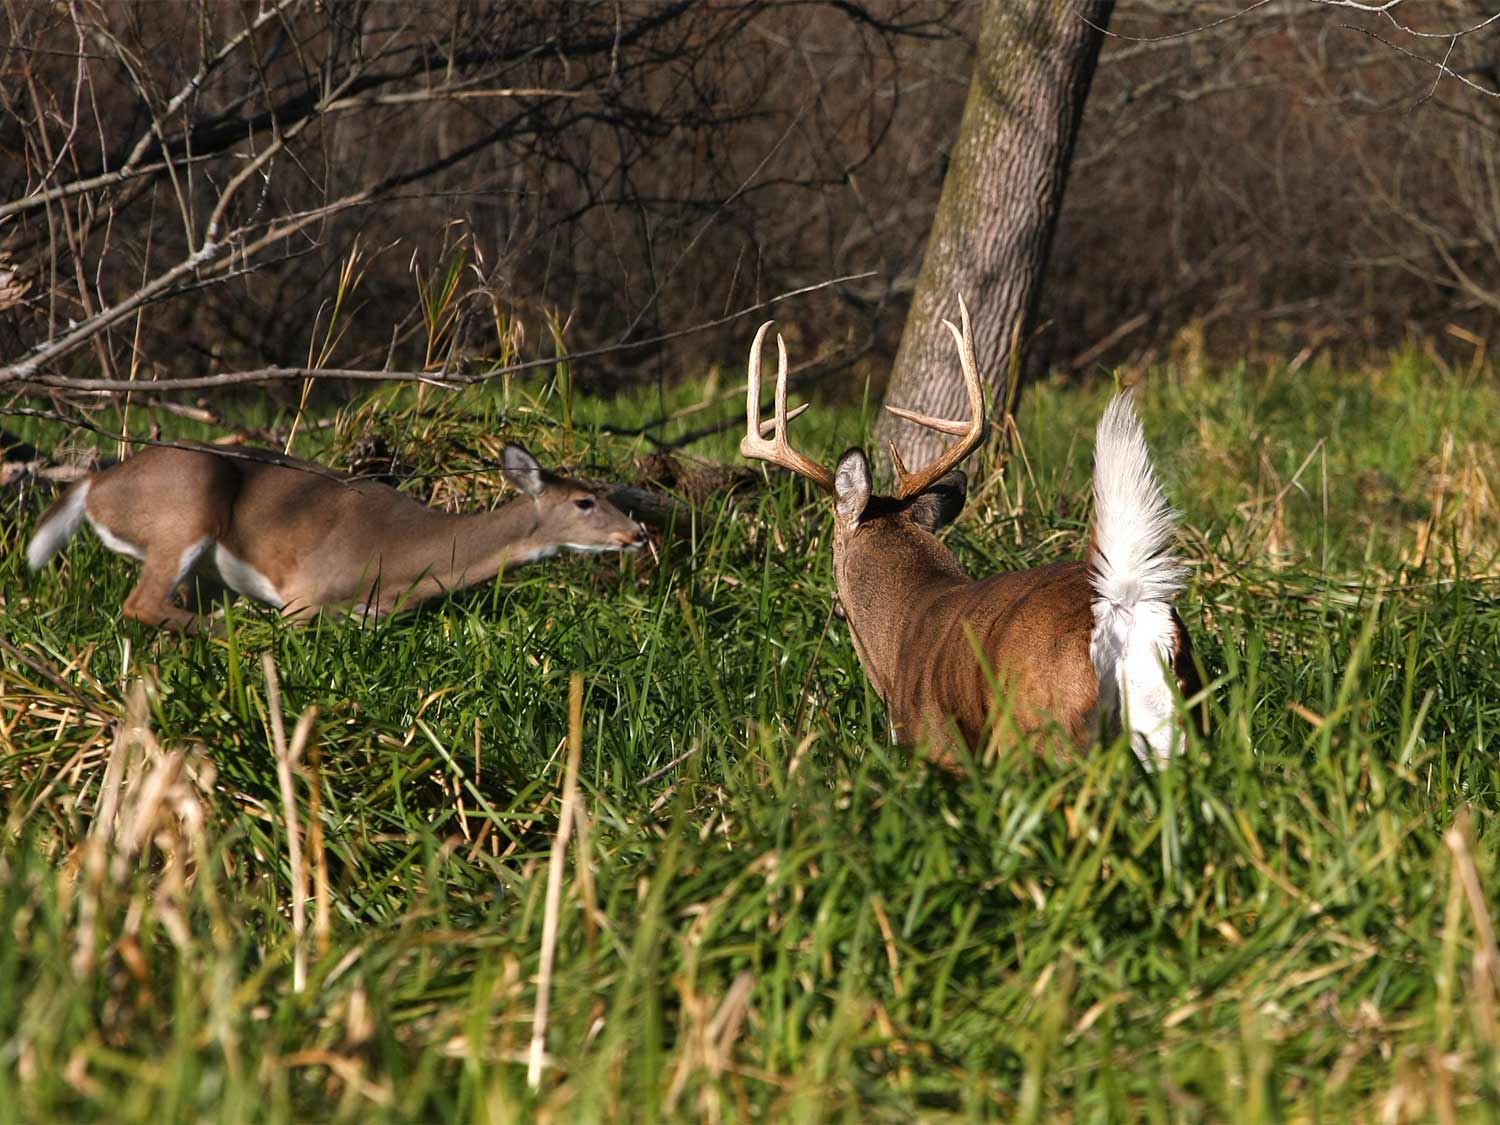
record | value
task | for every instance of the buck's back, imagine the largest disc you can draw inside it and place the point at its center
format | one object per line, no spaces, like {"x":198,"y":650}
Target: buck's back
{"x":1032,"y":628}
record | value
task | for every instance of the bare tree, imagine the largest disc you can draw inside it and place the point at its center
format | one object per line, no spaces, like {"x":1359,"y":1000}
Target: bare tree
{"x":993,"y":229}
{"x":1277,"y":174}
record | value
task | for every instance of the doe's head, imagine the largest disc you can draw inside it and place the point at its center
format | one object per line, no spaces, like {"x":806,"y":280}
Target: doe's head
{"x":569,"y":514}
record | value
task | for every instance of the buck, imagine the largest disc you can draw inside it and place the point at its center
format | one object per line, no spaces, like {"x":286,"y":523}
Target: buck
{"x":303,"y":539}
{"x":1079,"y":647}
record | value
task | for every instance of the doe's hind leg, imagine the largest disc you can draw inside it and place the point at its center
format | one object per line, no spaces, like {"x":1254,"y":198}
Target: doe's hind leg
{"x":161,"y":573}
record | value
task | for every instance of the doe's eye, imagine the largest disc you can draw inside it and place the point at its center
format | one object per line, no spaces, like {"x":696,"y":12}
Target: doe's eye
{"x":584,"y":505}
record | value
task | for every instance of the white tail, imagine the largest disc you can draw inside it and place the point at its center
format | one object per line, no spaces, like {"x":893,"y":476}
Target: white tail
{"x":1136,"y":635}
{"x":53,"y":533}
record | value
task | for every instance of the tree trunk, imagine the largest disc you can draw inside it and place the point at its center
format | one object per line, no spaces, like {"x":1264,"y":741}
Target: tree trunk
{"x":993,"y":229}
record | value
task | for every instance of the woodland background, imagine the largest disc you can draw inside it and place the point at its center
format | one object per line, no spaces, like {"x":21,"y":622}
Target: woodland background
{"x":1299,"y":178}
{"x":323,"y":872}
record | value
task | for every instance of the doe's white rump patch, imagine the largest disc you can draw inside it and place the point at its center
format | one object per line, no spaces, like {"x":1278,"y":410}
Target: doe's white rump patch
{"x":244,"y":579}
{"x":1132,"y":651}
{"x":116,"y":543}
{"x":189,"y":559}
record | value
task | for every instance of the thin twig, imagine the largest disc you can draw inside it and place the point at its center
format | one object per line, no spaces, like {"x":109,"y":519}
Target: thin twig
{"x":1457,"y":841}
{"x":286,"y":759}
{"x":42,"y":670}
{"x":670,"y":766}
{"x":538,"y":1053}
{"x":322,"y":923}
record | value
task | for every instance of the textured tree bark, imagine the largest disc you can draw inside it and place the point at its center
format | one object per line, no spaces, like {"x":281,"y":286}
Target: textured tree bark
{"x":993,"y":229}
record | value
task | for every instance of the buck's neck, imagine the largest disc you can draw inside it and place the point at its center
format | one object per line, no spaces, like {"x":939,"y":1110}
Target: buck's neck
{"x":886,"y":576}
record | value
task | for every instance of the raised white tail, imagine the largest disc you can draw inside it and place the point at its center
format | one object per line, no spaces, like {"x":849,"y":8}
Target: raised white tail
{"x":1137,"y":639}
{"x":57,"y":526}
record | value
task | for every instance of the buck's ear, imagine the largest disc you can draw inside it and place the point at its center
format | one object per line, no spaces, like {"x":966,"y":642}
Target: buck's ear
{"x":851,"y":485}
{"x":521,"y":470}
{"x":939,"y":505}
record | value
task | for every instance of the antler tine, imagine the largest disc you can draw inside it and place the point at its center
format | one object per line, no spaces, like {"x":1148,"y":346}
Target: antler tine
{"x":972,"y":432}
{"x":779,"y":399}
{"x":768,"y":427}
{"x":752,"y":385}
{"x":778,"y":450}
{"x":753,"y":429}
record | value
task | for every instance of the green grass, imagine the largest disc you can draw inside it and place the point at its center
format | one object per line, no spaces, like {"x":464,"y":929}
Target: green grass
{"x":796,"y":921}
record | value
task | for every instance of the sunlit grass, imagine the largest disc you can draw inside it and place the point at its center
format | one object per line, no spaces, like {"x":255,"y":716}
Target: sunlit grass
{"x":793,"y":919}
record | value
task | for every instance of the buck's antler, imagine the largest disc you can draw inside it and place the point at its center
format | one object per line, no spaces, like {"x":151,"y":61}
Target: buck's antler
{"x":972,"y":431}
{"x":777,"y":450}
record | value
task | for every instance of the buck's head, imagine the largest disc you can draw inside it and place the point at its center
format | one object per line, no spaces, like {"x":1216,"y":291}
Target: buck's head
{"x":893,"y":526}
{"x":876,"y":535}
{"x":569,"y":515}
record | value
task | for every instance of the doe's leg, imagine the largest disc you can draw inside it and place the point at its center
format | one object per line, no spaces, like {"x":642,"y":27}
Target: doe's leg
{"x":162,"y":572}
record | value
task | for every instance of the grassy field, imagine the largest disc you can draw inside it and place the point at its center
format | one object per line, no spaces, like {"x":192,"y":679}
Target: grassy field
{"x":766,"y":912}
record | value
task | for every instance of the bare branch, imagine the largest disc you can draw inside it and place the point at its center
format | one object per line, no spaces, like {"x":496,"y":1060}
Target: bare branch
{"x":1200,"y":29}
{"x":22,"y":373}
{"x":1444,"y":71}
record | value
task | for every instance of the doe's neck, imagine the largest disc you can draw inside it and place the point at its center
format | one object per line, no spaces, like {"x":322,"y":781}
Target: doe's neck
{"x":478,"y":546}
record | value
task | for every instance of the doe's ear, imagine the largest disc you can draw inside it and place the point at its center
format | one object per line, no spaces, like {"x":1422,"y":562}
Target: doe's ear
{"x":521,"y":470}
{"x":939,"y":505}
{"x":851,"y":485}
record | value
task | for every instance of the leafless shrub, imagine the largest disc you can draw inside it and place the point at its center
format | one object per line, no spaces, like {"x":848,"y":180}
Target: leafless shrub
{"x":183,"y":183}
{"x":1300,"y":175}
{"x":439,"y":186}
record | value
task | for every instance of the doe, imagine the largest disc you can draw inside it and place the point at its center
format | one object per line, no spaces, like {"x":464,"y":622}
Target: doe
{"x":1083,"y":645}
{"x":303,"y":539}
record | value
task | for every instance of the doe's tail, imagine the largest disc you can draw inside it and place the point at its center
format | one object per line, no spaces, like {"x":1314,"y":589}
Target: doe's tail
{"x":1137,"y":638}
{"x":57,"y":526}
